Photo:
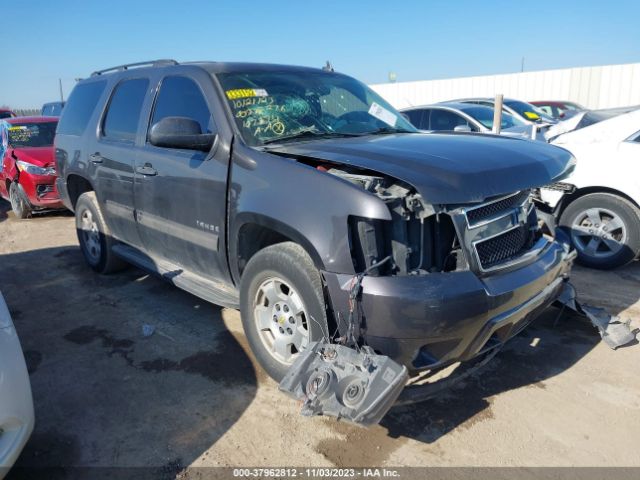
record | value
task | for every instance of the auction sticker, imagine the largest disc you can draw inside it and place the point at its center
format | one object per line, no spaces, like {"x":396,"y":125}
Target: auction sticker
{"x":246,"y":92}
{"x":383,"y":114}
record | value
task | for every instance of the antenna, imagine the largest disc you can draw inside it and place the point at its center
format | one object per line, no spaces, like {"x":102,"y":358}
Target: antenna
{"x":328,"y":67}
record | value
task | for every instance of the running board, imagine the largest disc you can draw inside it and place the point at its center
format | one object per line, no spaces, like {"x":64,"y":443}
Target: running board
{"x":204,"y":288}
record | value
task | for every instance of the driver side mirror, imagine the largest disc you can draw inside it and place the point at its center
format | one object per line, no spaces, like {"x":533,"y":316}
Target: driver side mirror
{"x":462,"y":128}
{"x":180,"y":132}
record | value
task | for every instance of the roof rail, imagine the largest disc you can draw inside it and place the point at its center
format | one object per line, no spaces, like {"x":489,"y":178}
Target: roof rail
{"x":150,"y":63}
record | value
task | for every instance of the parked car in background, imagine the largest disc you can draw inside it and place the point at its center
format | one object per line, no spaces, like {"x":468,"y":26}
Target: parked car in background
{"x":27,"y":171}
{"x":52,"y":109}
{"x":580,"y":120}
{"x":16,"y":401}
{"x":521,"y":110}
{"x":558,"y":109}
{"x":273,"y":188}
{"x":599,"y":203}
{"x":4,"y":113}
{"x":464,"y":117}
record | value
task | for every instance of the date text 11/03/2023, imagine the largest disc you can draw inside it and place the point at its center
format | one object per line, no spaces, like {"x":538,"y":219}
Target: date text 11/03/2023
{"x":315,"y":473}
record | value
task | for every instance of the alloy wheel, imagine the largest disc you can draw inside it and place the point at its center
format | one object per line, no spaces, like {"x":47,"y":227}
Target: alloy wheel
{"x":598,"y":233}
{"x":281,"y":320}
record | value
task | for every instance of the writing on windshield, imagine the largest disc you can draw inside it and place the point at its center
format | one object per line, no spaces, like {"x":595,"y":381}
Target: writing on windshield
{"x":271,"y":105}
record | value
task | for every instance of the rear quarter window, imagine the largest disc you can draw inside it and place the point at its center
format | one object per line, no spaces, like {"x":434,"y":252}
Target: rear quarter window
{"x":79,"y":108}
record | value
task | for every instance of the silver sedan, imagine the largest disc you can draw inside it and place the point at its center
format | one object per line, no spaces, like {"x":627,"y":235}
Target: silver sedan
{"x":464,"y":117}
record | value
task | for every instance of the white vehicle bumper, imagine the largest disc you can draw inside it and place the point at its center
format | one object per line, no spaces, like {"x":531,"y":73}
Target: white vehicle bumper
{"x":16,"y":402}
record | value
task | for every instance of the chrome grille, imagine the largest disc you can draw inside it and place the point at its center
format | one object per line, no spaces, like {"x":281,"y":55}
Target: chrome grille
{"x":487,"y":211}
{"x":503,"y":247}
{"x":500,"y":233}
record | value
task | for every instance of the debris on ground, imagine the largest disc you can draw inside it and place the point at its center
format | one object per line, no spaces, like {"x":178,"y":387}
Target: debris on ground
{"x":614,"y":331}
{"x":344,"y":382}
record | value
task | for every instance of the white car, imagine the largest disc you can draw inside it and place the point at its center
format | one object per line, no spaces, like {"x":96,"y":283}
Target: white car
{"x":602,"y":215}
{"x":16,"y":403}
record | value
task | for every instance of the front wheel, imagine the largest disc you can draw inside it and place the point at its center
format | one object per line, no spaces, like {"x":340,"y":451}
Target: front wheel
{"x":19,"y":202}
{"x":604,"y":229}
{"x":282,"y":306}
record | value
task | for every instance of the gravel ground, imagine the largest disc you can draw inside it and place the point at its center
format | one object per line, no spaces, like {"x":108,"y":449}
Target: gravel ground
{"x":192,"y":395}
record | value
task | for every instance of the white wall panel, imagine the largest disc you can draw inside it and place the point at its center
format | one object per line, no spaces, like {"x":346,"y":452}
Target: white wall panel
{"x":594,"y":87}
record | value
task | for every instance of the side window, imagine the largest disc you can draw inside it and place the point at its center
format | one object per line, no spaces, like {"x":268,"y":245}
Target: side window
{"x":81,"y":104}
{"x":546,"y":109}
{"x":444,"y":120}
{"x":415,"y":117}
{"x":123,"y":113}
{"x":181,"y":97}
{"x":424,"y":120}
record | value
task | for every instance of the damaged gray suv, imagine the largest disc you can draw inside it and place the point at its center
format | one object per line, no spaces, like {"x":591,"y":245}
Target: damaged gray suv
{"x":303,"y":198}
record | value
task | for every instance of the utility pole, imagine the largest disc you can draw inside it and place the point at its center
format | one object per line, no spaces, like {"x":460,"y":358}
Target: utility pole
{"x":497,"y":114}
{"x":60,"y":85}
{"x":522,"y":65}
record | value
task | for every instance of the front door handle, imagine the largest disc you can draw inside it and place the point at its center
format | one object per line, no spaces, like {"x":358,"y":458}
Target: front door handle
{"x":96,"y":158}
{"x":147,"y":170}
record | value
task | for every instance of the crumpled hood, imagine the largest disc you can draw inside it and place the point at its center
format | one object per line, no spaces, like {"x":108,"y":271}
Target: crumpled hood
{"x":40,"y":156}
{"x":446,"y":168}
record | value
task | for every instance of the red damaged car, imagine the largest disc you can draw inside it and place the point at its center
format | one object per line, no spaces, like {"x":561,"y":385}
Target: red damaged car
{"x":28,"y":171}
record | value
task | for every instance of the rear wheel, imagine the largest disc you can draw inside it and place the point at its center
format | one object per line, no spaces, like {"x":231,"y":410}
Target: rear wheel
{"x":94,"y":236}
{"x":282,"y":306}
{"x":604,"y":229}
{"x":19,"y":201}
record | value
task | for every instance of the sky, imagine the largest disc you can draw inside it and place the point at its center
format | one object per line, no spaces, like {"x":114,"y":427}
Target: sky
{"x":44,"y":40}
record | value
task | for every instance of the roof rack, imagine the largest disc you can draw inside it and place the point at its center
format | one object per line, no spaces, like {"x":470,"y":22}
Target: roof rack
{"x":150,"y":63}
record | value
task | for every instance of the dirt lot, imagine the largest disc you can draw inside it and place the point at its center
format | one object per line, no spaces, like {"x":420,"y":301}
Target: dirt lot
{"x":191,"y":394}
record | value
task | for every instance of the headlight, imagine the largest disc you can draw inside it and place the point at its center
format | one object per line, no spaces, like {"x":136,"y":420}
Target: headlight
{"x":35,"y":169}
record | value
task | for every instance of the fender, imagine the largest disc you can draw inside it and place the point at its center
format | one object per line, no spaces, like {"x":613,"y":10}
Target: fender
{"x":307,"y":205}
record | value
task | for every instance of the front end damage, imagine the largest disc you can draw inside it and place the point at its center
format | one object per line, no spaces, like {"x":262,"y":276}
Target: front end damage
{"x":441,"y":288}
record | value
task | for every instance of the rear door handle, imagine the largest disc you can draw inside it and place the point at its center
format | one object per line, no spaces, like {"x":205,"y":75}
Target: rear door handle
{"x":96,"y":158}
{"x":147,"y":170}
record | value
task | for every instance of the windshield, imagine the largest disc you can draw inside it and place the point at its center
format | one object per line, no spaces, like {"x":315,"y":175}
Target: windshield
{"x":269,"y":107}
{"x":528,"y":111}
{"x":484,"y":115}
{"x":52,"y":109}
{"x":32,"y":134}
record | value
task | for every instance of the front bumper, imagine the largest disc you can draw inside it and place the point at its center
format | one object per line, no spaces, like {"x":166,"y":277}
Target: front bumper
{"x":41,"y":190}
{"x":433,"y":320}
{"x":16,"y":403}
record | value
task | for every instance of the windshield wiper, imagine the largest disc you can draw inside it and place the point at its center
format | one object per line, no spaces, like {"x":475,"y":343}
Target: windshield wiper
{"x":388,"y":130}
{"x":308,"y":134}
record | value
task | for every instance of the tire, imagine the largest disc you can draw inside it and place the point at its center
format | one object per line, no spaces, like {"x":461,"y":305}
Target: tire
{"x":94,"y":236}
{"x":604,"y":229}
{"x":19,"y":202}
{"x":281,"y":283}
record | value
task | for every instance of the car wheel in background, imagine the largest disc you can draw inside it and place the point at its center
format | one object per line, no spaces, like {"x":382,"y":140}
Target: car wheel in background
{"x":94,"y":236}
{"x":282,"y":305}
{"x":19,"y":202}
{"x":604,"y":229}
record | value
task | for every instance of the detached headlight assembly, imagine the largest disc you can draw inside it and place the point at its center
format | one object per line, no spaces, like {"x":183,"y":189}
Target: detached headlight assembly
{"x":34,"y":169}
